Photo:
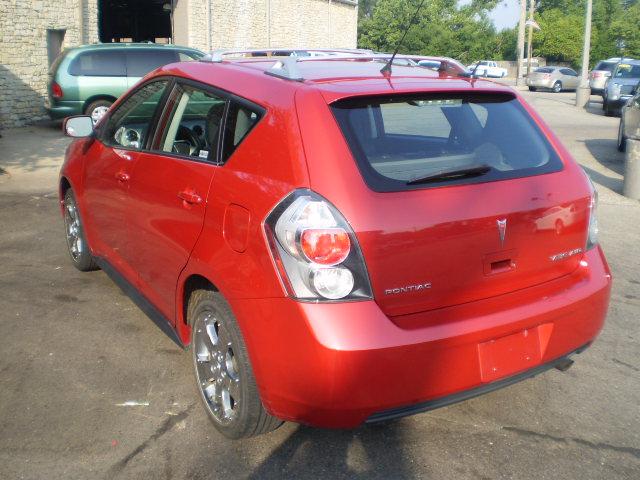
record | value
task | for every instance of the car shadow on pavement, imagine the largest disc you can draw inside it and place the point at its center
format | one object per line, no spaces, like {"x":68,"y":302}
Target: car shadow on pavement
{"x":605,"y":152}
{"x":371,"y":451}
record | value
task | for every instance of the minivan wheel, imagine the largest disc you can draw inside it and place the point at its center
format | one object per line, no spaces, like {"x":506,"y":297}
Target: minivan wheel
{"x":224,"y":376}
{"x":557,"y":87}
{"x":97,"y":109}
{"x":76,"y":242}
{"x":622,"y":141}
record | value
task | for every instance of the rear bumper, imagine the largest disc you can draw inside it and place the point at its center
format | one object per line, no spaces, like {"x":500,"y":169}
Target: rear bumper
{"x":63,"y":109}
{"x":338,"y":365}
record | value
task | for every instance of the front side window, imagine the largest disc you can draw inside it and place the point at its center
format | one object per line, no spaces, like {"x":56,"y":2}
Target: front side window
{"x":403,"y":143}
{"x":196,"y":122}
{"x":99,"y":64}
{"x":129,"y":125}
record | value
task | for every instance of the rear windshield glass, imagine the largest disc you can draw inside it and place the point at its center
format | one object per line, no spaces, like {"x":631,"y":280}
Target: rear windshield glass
{"x":544,"y":70}
{"x":605,"y":66}
{"x":626,"y":70}
{"x":403,"y":143}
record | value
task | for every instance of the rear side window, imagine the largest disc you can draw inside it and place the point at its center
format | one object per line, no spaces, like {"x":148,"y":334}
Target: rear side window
{"x":141,"y":62}
{"x":400,"y":141}
{"x":99,"y":64}
{"x":544,"y":70}
{"x":240,"y":121}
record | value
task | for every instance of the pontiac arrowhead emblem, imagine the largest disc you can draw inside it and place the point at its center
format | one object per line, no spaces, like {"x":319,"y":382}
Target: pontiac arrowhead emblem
{"x":502,"y":229}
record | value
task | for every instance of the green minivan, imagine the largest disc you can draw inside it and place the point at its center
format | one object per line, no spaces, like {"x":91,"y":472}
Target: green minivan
{"x":88,"y":79}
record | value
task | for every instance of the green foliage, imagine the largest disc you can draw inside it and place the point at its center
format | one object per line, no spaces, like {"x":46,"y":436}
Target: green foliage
{"x":464,"y":31}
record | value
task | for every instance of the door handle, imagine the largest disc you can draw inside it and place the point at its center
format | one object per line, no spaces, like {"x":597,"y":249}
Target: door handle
{"x":191,"y":197}
{"x":122,"y":177}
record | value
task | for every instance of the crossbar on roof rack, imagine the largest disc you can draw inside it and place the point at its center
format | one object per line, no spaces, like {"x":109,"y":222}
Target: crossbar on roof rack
{"x":287,"y":68}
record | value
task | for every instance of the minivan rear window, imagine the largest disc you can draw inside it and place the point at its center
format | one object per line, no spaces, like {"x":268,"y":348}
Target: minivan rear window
{"x":409,"y":142}
{"x":99,"y":64}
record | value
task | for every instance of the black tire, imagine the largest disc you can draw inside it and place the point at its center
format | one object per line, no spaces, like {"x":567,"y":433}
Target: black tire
{"x":77,"y":244}
{"x":557,"y":87}
{"x":532,"y":89}
{"x":607,"y":109}
{"x":96,"y":109}
{"x":622,"y":141}
{"x":247,"y":415}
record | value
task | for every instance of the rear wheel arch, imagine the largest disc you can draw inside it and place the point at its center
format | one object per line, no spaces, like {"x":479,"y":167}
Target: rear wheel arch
{"x":95,"y":98}
{"x":191,"y":284}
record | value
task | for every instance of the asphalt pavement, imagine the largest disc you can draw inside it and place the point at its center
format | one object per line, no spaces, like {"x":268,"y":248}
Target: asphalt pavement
{"x":91,"y":388}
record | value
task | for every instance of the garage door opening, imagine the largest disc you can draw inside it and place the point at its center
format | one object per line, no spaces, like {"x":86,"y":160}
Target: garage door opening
{"x":135,"y":20}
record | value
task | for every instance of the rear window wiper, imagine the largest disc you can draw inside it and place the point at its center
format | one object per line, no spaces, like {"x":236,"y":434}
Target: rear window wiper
{"x":473,"y":171}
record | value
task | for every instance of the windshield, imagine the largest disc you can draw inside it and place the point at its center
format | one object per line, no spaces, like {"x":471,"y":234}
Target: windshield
{"x":626,"y":70}
{"x":400,"y":139}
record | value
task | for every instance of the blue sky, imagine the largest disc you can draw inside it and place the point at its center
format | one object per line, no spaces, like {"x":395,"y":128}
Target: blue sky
{"x":506,"y":14}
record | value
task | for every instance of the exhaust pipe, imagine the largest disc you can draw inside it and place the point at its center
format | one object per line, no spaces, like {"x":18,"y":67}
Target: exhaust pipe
{"x":564,"y":364}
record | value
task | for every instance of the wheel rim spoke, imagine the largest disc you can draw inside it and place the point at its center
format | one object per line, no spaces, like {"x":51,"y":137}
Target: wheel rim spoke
{"x":216,"y":367}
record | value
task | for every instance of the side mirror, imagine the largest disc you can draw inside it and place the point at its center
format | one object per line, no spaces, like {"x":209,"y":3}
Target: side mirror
{"x":79,"y":126}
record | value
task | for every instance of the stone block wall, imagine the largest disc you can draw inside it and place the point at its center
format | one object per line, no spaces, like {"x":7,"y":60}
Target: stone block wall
{"x":23,"y":51}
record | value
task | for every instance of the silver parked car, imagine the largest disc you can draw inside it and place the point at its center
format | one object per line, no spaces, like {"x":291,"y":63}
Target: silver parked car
{"x":553,"y":78}
{"x":600,"y":73}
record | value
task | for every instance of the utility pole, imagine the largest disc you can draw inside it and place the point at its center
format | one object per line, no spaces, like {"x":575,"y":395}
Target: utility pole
{"x":523,"y":17}
{"x":584,"y":92}
{"x":532,"y":7}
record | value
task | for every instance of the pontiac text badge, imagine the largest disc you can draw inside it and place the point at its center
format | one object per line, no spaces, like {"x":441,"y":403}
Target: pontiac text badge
{"x":407,"y":289}
{"x":502,"y":229}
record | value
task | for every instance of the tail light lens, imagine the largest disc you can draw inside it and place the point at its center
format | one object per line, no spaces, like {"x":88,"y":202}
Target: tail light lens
{"x":56,"y":90}
{"x":315,"y":250}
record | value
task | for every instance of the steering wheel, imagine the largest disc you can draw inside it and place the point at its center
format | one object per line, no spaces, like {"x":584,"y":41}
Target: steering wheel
{"x":186,"y":142}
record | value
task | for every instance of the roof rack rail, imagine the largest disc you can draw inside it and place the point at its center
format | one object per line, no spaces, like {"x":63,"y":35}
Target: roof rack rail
{"x":287,"y":68}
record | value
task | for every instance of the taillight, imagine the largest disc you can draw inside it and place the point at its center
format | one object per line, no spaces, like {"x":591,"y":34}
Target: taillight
{"x":56,"y":90}
{"x":315,"y":250}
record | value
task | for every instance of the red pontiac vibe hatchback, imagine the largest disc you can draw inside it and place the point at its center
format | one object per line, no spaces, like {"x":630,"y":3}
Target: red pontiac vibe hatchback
{"x":338,"y":245}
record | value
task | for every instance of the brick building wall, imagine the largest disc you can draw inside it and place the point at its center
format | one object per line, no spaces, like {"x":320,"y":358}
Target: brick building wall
{"x":203,"y":24}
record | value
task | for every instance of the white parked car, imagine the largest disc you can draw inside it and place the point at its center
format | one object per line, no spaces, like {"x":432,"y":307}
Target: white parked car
{"x":488,"y":68}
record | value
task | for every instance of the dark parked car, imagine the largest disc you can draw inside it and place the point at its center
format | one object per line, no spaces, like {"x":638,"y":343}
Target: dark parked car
{"x":88,"y":79}
{"x":620,"y":86}
{"x":630,"y":120}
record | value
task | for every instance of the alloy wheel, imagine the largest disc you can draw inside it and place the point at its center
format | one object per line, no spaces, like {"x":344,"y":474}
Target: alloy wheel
{"x":73,"y":228}
{"x":98,"y":112}
{"x":216,"y":367}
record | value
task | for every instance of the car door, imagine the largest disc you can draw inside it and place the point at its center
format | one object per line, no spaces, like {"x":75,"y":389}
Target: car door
{"x":169,"y":188}
{"x":570,"y":78}
{"x":108,"y":171}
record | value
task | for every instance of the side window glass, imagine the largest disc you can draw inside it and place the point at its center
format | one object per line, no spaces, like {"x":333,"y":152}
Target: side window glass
{"x":194,"y":128}
{"x":129,"y":125}
{"x":240,"y":121}
{"x":98,"y":64}
{"x":141,"y":62}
